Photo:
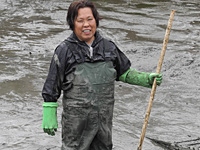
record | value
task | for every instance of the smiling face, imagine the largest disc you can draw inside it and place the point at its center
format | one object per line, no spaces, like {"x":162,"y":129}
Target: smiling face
{"x":85,"y":25}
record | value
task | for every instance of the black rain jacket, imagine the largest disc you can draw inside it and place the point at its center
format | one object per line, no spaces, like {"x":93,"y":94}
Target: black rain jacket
{"x":71,"y":52}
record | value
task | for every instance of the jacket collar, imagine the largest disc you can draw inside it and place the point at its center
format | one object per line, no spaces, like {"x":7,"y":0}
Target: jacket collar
{"x":74,"y":39}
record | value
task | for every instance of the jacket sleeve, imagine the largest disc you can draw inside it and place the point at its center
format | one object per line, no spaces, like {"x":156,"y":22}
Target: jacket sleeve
{"x":53,"y":84}
{"x":122,"y":63}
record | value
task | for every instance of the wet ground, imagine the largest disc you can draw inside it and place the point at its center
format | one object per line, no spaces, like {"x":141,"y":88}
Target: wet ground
{"x":31,"y":29}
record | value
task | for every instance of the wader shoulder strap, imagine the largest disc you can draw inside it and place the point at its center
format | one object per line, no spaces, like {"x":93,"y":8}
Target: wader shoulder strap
{"x":79,"y":57}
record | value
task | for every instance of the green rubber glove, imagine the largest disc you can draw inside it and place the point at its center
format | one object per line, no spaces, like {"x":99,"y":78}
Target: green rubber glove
{"x":49,"y":123}
{"x":135,"y":77}
{"x":158,"y":78}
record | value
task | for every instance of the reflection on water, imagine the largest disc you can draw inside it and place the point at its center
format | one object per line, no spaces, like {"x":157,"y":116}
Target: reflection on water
{"x":31,"y":29}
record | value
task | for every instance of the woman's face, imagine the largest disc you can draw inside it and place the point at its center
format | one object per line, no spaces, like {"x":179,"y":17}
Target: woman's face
{"x":85,"y":25}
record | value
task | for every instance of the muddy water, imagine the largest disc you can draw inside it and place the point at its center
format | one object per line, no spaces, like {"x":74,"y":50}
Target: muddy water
{"x":31,"y":29}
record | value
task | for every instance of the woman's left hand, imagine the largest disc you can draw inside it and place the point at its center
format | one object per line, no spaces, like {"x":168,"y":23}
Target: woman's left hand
{"x":157,"y":76}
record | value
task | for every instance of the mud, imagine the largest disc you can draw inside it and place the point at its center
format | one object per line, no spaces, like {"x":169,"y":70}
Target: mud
{"x":193,"y":144}
{"x":30,"y":30}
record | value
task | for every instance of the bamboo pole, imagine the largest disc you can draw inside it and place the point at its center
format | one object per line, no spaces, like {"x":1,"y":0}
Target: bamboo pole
{"x":153,"y":90}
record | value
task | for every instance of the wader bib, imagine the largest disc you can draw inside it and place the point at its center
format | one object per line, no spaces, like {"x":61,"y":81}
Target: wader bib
{"x":88,"y":108}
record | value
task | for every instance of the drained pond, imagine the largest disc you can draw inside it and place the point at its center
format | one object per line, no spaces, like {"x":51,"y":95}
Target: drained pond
{"x":30,"y":30}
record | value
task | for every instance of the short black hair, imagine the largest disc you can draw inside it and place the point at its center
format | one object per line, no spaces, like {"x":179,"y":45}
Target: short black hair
{"x":73,"y":12}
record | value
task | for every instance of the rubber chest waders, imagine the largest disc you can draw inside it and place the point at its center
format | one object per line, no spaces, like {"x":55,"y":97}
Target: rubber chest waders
{"x":88,"y":108}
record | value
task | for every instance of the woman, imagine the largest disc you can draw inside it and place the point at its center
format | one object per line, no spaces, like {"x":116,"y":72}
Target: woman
{"x":85,"y":66}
